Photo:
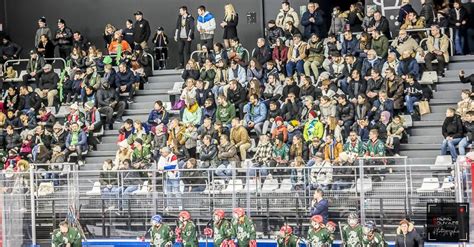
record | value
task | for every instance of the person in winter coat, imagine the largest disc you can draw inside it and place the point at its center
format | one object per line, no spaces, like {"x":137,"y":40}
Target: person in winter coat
{"x":160,"y":41}
{"x":379,"y":44}
{"x":313,"y":21}
{"x":236,"y":94}
{"x":381,"y":24}
{"x":63,"y":39}
{"x":313,"y":127}
{"x":206,"y":24}
{"x":345,"y":113}
{"x":394,"y":87}
{"x":43,"y":29}
{"x":255,"y":114}
{"x":239,"y":137}
{"x":458,"y":18}
{"x":34,"y":68}
{"x":405,"y":8}
{"x":469,"y":133}
{"x":141,"y":30}
{"x":337,"y":21}
{"x":370,"y":63}
{"x":404,"y":42}
{"x":184,"y":35}
{"x":315,"y":58}
{"x":453,"y":132}
{"x":355,"y":18}
{"x":296,"y":56}
{"x":286,"y":14}
{"x":227,"y":157}
{"x":438,"y":45}
{"x":407,"y":236}
{"x":408,"y":65}
{"x":274,"y":32}
{"x":428,"y":12}
{"x":76,"y":142}
{"x":413,"y":93}
{"x":208,"y":152}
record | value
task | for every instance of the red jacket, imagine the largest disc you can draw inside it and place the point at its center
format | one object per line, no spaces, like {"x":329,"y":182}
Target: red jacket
{"x":281,"y":55}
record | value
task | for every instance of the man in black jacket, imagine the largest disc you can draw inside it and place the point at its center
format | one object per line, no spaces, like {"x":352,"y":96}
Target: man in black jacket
{"x":141,"y":31}
{"x":184,"y":35}
{"x":30,"y":102}
{"x":237,"y":95}
{"x":345,"y":112}
{"x":262,"y":52}
{"x":48,"y":84}
{"x":453,"y":132}
{"x":34,"y":68}
{"x":63,"y":39}
{"x":108,"y":102}
{"x":9,"y":50}
{"x":273,"y":32}
{"x":469,"y":133}
{"x":208,"y":152}
{"x":381,"y":24}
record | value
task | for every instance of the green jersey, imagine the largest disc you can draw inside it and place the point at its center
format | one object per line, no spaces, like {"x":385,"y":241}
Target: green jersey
{"x":352,"y":237}
{"x":375,"y":149}
{"x":72,"y":237}
{"x":244,"y":230}
{"x":288,"y":241}
{"x":222,"y":231}
{"x":161,"y":236}
{"x":376,"y":241}
{"x":189,"y":235}
{"x":319,"y":237}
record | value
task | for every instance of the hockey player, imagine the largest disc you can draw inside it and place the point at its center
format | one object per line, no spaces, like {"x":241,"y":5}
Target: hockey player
{"x":286,"y":237}
{"x":66,"y":236}
{"x":352,"y":233}
{"x":243,"y":229}
{"x":161,"y":234}
{"x":331,"y":227}
{"x":186,"y":230}
{"x":372,"y":238}
{"x":318,"y":236}
{"x":222,"y":230}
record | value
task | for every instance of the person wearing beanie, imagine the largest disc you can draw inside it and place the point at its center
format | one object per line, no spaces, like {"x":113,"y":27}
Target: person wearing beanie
{"x":43,"y":29}
{"x":313,"y":127}
{"x":280,"y":129}
{"x":274,"y":33}
{"x":63,"y":39}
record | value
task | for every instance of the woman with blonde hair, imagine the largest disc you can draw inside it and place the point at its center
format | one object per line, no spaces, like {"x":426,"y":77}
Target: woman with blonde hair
{"x":231,"y":20}
{"x":109,"y":31}
{"x":123,"y":153}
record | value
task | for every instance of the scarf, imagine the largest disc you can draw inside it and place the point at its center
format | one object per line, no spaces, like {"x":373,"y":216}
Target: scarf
{"x":74,"y":138}
{"x":45,"y":117}
{"x":119,"y":54}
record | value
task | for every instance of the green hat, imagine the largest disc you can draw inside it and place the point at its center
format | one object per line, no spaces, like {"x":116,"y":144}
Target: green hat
{"x":107,"y":60}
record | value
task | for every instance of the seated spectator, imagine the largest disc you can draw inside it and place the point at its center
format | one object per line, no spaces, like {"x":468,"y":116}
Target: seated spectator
{"x":109,"y":180}
{"x":194,"y":181}
{"x":209,"y":109}
{"x":313,"y":127}
{"x":126,"y":130}
{"x":468,"y":124}
{"x":320,"y":174}
{"x":45,"y":118}
{"x":118,"y":44}
{"x":124,"y":80}
{"x":392,"y":62}
{"x":34,"y":68}
{"x":272,"y":113}
{"x":9,"y":50}
{"x":453,"y":132}
{"x":108,"y":102}
{"x":320,"y":205}
{"x":315,"y":57}
{"x":343,"y":173}
{"x":208,"y":153}
{"x":255,"y":114}
{"x":203,"y":92}
{"x":408,"y":65}
{"x":394,"y":87}
{"x":76,"y":142}
{"x":298,"y":148}
{"x":280,"y":158}
{"x":188,"y":94}
{"x":327,"y":109}
{"x":438,"y":45}
{"x":273,"y":88}
{"x":290,"y":87}
{"x":354,"y":145}
{"x":280,"y":54}
{"x":239,"y":137}
{"x":141,"y":132}
{"x":123,"y":153}
{"x":371,"y":63}
{"x":412,"y":21}
{"x":220,"y":54}
{"x":236,"y":94}
{"x":190,"y":138}
{"x":175,"y":136}
{"x":255,"y":71}
{"x":290,"y":107}
{"x":12,"y":100}
{"x":296,"y":56}
{"x":131,"y":181}
{"x":374,"y":85}
{"x":374,"y":146}
{"x":237,"y":72}
{"x":362,"y":107}
{"x":57,"y":156}
{"x":307,"y":88}
{"x":273,"y":33}
{"x":383,"y":103}
{"x":466,"y":104}
{"x":262,"y":53}
{"x":237,"y":52}
{"x":92,"y":124}
{"x":208,"y":73}
{"x":356,"y":85}
{"x":30,"y":102}
{"x":141,"y":156}
{"x":192,"y":114}
{"x":280,"y":129}
{"x":225,"y":112}
{"x":203,"y":55}
{"x":47,"y":85}
{"x":349,"y":44}
{"x":298,"y":176}
{"x":404,"y":42}
{"x":59,"y":136}
{"x":191,"y":70}
{"x":12,"y":139}
{"x":160,"y":137}
{"x":379,"y":44}
{"x":74,"y":116}
{"x":395,"y":132}
{"x":227,"y":157}
{"x":413,"y":93}
{"x":332,"y":149}
{"x":307,"y":106}
{"x":262,"y":156}
{"x":345,"y":114}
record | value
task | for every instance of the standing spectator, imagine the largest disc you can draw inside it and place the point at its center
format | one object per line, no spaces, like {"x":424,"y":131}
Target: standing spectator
{"x":231,"y":20}
{"x":63,"y":39}
{"x":80,"y":41}
{"x":413,"y":93}
{"x":355,"y":18}
{"x":255,"y":114}
{"x":46,"y":47}
{"x":458,"y":18}
{"x":428,"y":12}
{"x":76,"y":142}
{"x":405,"y":9}
{"x":47,"y":85}
{"x":273,"y":33}
{"x":381,"y":24}
{"x":184,"y":35}
{"x":119,"y":45}
{"x":287,"y":14}
{"x":128,"y":33}
{"x":296,"y":54}
{"x":437,"y":50}
{"x":43,"y":29}
{"x":320,"y":205}
{"x":206,"y":24}
{"x":160,"y":40}
{"x":141,"y":30}
{"x":108,"y":35}
{"x":452,"y":131}
{"x":407,"y":236}
{"x":168,"y":163}
{"x":239,"y":137}
{"x":313,"y":21}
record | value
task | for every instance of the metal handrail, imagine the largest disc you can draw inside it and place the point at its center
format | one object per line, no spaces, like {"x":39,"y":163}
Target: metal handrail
{"x":18,"y":61}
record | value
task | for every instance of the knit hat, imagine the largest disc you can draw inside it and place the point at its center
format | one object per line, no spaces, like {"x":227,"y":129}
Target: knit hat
{"x":42,"y":19}
{"x":89,"y":105}
{"x":107,"y":60}
{"x":161,"y":29}
{"x":138,"y":13}
{"x":139,"y":141}
{"x":279,"y":118}
{"x":74,"y":106}
{"x":271,"y":22}
{"x":62,"y":21}
{"x":57,"y":125}
{"x":313,"y":114}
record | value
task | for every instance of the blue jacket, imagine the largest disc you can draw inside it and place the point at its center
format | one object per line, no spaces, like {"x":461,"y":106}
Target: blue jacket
{"x":82,"y":141}
{"x":366,"y":66}
{"x":257,"y":115}
{"x":310,"y":27}
{"x":410,"y":66}
{"x":126,"y":78}
{"x":321,"y":208}
{"x":155,"y":115}
{"x":350,"y":46}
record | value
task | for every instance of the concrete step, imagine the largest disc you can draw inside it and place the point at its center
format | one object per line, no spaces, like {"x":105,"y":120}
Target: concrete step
{"x":153,"y":86}
{"x":101,"y":153}
{"x":98,"y":159}
{"x":447,"y":94}
{"x":425,"y":139}
{"x":453,"y":86}
{"x":137,"y":115}
{"x":428,"y":124}
{"x":167,"y":72}
{"x":441,"y":108}
{"x":463,"y":58}
{"x":107,"y":147}
{"x":420,"y":161}
{"x":424,"y":131}
{"x":150,"y":99}
{"x":419,"y":154}
{"x":152,"y":92}
{"x":109,"y":139}
{"x":165,"y":79}
{"x":460,"y":65}
{"x":453,"y":73}
{"x":113,"y":132}
{"x":420,"y":146}
{"x":450,"y":101}
{"x":434,"y":117}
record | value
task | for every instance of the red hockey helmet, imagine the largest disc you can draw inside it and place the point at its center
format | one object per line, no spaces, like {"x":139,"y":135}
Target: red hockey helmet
{"x":286,"y":229}
{"x":331,"y":223}
{"x":317,"y":219}
{"x":239,"y":211}
{"x":219,"y":213}
{"x":185,"y":215}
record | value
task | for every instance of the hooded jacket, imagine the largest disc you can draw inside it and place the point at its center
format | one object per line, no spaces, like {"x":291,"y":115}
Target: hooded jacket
{"x":206,"y":22}
{"x":411,"y":239}
{"x":452,"y":126}
{"x":283,"y":17}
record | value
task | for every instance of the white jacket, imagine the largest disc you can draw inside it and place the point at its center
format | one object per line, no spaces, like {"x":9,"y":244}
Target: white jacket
{"x":207,"y":22}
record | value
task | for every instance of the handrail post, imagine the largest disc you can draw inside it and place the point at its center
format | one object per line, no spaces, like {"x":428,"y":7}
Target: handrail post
{"x":362,"y":193}
{"x":33,"y":209}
